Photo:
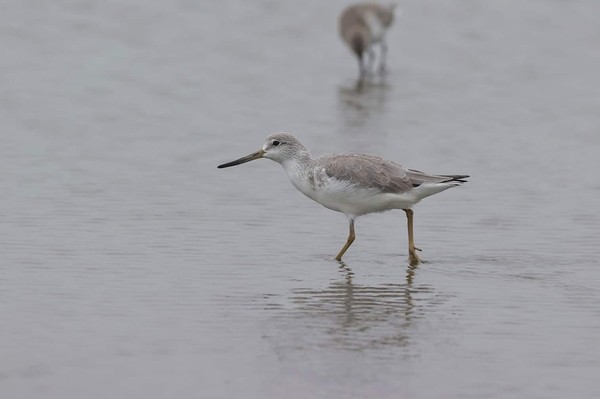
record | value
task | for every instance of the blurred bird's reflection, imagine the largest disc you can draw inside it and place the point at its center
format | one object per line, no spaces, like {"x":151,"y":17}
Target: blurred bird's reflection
{"x":360,"y":110}
{"x":361,"y":316}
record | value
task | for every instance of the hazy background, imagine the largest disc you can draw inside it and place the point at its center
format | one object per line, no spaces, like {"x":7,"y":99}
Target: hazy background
{"x":131,"y":267}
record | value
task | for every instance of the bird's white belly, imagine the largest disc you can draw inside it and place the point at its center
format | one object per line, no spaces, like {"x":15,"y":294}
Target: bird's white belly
{"x":375,"y":26}
{"x":350,"y":200}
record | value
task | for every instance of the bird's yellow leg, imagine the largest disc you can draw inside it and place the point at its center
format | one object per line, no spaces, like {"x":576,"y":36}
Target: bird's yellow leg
{"x":412,"y":250}
{"x":349,"y":241}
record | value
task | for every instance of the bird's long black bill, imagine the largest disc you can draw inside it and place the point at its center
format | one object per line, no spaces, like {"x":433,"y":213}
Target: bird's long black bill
{"x":256,"y":155}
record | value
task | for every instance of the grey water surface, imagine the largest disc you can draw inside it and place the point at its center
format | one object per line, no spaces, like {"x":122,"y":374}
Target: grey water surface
{"x":131,"y":267}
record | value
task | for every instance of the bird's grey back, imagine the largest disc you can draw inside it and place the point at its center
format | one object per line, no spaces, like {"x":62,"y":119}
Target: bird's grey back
{"x":366,"y":171}
{"x":354,"y":16}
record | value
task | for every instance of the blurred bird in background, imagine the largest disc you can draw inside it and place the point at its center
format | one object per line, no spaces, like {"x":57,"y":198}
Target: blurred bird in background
{"x":363,"y":26}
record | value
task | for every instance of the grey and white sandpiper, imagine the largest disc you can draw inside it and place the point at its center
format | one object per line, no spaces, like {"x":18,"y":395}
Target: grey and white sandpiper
{"x":354,"y":184}
{"x":364,"y":25}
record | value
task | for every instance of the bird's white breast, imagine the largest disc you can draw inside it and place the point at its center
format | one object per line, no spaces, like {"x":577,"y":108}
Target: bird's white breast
{"x":375,"y":26}
{"x":303,"y":179}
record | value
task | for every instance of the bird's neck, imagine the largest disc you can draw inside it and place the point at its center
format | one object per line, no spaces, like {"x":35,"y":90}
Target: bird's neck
{"x":299,"y":162}
{"x":300,"y":170}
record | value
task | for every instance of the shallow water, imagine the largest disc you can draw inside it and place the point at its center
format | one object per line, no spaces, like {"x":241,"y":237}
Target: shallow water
{"x":132,"y":267}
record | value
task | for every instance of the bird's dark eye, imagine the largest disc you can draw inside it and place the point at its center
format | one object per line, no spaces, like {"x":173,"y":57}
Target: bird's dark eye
{"x":276,"y":143}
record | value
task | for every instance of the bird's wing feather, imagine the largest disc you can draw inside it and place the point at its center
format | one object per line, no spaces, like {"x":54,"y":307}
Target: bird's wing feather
{"x":367,"y":171}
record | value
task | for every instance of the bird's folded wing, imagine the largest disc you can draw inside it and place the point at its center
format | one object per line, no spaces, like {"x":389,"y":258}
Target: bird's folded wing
{"x":366,"y":171}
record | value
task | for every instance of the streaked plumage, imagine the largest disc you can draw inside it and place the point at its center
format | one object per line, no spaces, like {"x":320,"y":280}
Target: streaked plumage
{"x":354,"y":184}
{"x":364,"y":25}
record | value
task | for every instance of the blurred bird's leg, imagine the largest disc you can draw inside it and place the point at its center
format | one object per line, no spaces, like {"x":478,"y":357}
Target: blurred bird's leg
{"x":383,"y":58}
{"x":362,"y":71}
{"x":372,"y":59}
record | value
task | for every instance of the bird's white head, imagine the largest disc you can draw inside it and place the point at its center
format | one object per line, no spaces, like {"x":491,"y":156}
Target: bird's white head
{"x":279,"y":147}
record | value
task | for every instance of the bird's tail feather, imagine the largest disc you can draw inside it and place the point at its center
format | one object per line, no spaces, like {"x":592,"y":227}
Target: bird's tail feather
{"x":427,"y":189}
{"x":456,"y":178}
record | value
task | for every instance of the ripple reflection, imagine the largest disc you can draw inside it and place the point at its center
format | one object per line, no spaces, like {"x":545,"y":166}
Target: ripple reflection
{"x":352,"y":316}
{"x":357,"y":104}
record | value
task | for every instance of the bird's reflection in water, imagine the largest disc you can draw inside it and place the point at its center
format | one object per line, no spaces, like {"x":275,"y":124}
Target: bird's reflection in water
{"x":356,"y":316}
{"x":358,"y":102}
{"x":361,"y":114}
